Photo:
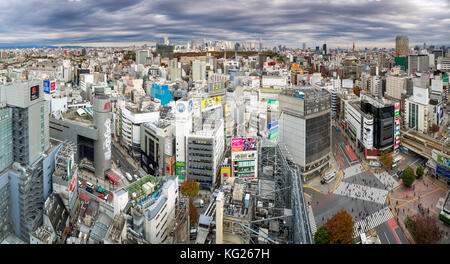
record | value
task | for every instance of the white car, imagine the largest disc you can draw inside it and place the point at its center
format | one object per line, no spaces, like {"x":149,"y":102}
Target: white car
{"x":129,"y":176}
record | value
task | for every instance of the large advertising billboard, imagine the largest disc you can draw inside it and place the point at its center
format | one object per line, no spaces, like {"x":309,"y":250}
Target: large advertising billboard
{"x":216,"y":88}
{"x":244,"y":144}
{"x":211,"y":102}
{"x":225,"y":171}
{"x":180,"y":170}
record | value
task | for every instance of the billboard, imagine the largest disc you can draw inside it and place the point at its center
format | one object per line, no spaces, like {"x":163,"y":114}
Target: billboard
{"x":168,"y":147}
{"x":52,"y":86}
{"x":47,"y":87}
{"x":225,"y":171}
{"x":371,"y":152}
{"x":34,"y":92}
{"x":216,"y":88}
{"x":244,"y":144}
{"x":211,"y":102}
{"x":347,"y":83}
{"x":180,"y":170}
{"x":443,"y":172}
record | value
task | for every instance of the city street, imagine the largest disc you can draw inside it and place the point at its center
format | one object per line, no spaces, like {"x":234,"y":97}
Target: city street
{"x":362,"y":193}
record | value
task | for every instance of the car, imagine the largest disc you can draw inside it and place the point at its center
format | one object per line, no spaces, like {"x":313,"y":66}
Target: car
{"x":129,"y":176}
{"x":89,"y":189}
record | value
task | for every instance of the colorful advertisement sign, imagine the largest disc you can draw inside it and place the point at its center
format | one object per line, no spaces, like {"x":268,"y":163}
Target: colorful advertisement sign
{"x":211,"y":102}
{"x":52,"y":87}
{"x":216,"y":88}
{"x":47,"y":87}
{"x":34,"y":92}
{"x":225,"y":171}
{"x":244,"y":144}
{"x":180,"y":170}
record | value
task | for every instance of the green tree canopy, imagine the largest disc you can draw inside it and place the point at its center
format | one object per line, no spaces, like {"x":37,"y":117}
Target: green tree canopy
{"x":340,"y":228}
{"x":321,"y":236}
{"x":408,"y":176}
{"x":419,"y":171}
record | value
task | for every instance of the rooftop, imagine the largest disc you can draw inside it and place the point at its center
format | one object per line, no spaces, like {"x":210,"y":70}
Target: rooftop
{"x":85,"y":120}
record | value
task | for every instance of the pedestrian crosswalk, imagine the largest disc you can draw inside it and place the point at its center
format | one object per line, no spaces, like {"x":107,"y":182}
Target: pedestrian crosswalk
{"x":362,"y":192}
{"x":312,"y":222}
{"x":353,"y":170}
{"x":387,"y":180}
{"x":372,"y":221}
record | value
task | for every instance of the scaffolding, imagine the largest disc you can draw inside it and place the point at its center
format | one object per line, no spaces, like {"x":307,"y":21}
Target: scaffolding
{"x":287,"y":206}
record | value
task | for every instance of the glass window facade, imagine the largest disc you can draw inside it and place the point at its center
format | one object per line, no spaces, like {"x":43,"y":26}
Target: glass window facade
{"x":317,"y":137}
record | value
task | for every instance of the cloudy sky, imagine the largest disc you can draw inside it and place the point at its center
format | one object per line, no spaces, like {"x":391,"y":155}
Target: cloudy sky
{"x":287,"y":22}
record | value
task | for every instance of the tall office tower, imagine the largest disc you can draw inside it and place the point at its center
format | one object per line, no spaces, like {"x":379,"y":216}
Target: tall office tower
{"x":6,"y":145}
{"x":260,"y":44}
{"x":141,"y":56}
{"x":424,"y":46}
{"x":166,"y":40}
{"x":395,"y":85}
{"x":30,"y":139}
{"x":305,"y":128}
{"x":418,"y":63}
{"x":304,"y":45}
{"x":324,"y":48}
{"x":102,"y":146}
{"x":401,"y":46}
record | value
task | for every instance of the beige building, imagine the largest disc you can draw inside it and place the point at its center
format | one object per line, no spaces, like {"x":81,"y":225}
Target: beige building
{"x":395,"y":85}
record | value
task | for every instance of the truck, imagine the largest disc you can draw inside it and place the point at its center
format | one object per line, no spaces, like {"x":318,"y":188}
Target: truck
{"x":129,"y":176}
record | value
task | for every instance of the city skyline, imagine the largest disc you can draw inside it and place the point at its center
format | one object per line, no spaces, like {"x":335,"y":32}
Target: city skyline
{"x":371,"y":23}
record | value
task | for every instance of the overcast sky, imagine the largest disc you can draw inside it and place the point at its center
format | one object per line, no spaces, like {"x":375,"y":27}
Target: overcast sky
{"x":278,"y":22}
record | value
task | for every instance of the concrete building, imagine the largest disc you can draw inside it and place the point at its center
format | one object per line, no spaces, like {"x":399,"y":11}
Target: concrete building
{"x":198,"y":71}
{"x":417,"y":110}
{"x":305,"y":128}
{"x":130,"y":127}
{"x":183,"y":127}
{"x":141,"y":56}
{"x":205,"y":153}
{"x":443,"y":64}
{"x":157,"y":143}
{"x":395,"y":86}
{"x":418,"y":63}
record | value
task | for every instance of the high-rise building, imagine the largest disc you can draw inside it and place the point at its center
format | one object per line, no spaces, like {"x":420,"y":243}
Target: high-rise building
{"x":395,"y":85}
{"x":418,"y":63}
{"x":304,"y":45}
{"x":198,"y":71}
{"x":305,"y":128}
{"x":29,"y":133}
{"x":324,"y":48}
{"x":401,"y":46}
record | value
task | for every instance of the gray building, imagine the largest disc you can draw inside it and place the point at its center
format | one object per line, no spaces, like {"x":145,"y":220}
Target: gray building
{"x":157,"y":148}
{"x":30,"y":147}
{"x":418,"y":63}
{"x":305,"y":128}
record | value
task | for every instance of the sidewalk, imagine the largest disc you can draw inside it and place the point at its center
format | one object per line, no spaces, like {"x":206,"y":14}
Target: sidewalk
{"x":422,"y":197}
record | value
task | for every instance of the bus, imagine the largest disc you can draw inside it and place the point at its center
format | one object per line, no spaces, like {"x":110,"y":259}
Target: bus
{"x":444,"y":215}
{"x":329,"y":176}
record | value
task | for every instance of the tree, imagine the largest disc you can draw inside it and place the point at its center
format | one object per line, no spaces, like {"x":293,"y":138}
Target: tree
{"x":425,"y":229}
{"x":193,"y":213}
{"x":419,"y":171}
{"x":408,"y":176}
{"x":190,"y":189}
{"x":321,"y":236}
{"x":387,"y":160}
{"x":340,"y":228}
{"x":356,"y":90}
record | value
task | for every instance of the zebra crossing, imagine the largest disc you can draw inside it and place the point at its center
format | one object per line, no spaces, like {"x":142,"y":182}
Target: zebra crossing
{"x":387,"y":180}
{"x":372,"y":221}
{"x":312,"y":221}
{"x":361,"y":192}
{"x":353,"y":170}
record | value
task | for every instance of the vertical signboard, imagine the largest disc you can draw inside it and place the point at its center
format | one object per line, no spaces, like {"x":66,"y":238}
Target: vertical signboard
{"x":180,"y":170}
{"x":225,"y":171}
{"x":396,"y":127}
{"x":52,"y":86}
{"x":47,"y":87}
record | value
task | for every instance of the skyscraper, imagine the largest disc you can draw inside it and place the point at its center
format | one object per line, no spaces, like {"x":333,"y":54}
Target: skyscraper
{"x":401,"y":46}
{"x":304,"y":45}
{"x":324,"y":48}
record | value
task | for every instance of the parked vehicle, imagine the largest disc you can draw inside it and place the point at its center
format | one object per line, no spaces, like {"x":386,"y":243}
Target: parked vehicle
{"x":128,"y":175}
{"x":100,"y":190}
{"x":89,"y":189}
{"x":90,"y":185}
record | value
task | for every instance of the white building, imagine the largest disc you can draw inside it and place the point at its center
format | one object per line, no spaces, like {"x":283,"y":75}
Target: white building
{"x":395,"y":85}
{"x":131,"y":126}
{"x":160,"y":214}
